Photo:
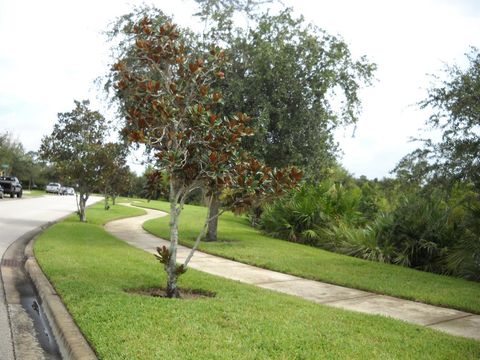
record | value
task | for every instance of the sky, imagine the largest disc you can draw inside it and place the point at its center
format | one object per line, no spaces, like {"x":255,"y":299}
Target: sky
{"x":51,"y":51}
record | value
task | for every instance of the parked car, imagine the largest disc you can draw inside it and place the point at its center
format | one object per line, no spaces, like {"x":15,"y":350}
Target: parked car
{"x":53,"y":188}
{"x":1,"y":192}
{"x":67,"y":190}
{"x":11,"y":185}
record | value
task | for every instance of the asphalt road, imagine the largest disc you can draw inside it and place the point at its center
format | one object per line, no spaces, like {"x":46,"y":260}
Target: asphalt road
{"x":17,"y":217}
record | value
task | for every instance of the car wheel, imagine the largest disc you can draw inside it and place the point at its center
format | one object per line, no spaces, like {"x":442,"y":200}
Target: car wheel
{"x":12,"y":195}
{"x":20,"y":194}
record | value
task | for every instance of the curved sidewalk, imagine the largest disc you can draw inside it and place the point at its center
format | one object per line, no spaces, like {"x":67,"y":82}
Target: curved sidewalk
{"x":448,"y":320}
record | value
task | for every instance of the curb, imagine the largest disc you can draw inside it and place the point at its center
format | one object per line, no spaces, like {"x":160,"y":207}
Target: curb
{"x":70,"y":340}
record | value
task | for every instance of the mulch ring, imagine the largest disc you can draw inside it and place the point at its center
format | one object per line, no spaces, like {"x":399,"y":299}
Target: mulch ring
{"x":162,"y":293}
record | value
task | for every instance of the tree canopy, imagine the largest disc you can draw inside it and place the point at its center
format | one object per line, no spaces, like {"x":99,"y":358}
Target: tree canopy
{"x":75,"y":147}
{"x":296,"y":81}
{"x":455,"y":105}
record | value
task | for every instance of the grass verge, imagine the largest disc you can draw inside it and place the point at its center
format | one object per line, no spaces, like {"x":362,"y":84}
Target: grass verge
{"x":90,"y":269}
{"x":33,"y":193}
{"x":240,"y":242}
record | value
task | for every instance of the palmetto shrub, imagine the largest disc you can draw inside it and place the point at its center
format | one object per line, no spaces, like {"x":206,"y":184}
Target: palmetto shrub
{"x":419,"y":232}
{"x":363,"y":242}
{"x":426,"y":231}
{"x":302,"y":215}
{"x":463,"y":259}
{"x":416,"y":234}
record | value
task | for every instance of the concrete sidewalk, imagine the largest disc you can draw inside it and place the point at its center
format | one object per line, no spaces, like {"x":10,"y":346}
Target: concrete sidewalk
{"x":448,"y":320}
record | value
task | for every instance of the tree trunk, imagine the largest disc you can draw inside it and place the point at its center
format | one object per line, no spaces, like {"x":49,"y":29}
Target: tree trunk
{"x":105,"y":196}
{"x":213,"y":222}
{"x":171,"y":267}
{"x":113,"y":199}
{"x":255,"y":215}
{"x":83,"y":202}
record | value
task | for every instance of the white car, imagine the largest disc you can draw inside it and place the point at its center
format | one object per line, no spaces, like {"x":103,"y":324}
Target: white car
{"x":67,"y":191}
{"x":54,"y":188}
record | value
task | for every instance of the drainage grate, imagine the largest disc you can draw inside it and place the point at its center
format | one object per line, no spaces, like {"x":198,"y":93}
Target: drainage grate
{"x":11,"y":263}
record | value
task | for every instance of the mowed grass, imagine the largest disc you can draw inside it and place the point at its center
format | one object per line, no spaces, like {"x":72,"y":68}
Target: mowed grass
{"x":91,"y":269}
{"x":239,"y":241}
{"x":33,"y":193}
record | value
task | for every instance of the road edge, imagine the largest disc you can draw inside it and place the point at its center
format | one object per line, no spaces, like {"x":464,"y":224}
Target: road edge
{"x":70,"y":340}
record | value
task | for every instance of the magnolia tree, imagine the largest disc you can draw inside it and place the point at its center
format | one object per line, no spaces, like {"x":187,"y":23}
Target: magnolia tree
{"x":166,"y":94}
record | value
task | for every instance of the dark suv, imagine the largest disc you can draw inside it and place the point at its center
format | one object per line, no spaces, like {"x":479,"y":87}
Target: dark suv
{"x":11,"y":186}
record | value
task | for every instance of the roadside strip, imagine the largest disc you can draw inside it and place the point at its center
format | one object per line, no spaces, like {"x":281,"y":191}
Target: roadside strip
{"x":20,"y":271}
{"x":70,"y":340}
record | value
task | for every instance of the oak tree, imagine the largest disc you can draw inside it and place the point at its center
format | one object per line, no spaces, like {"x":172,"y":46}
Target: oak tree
{"x":455,"y":105}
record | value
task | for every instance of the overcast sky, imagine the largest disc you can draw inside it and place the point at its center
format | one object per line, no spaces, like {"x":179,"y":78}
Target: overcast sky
{"x":51,"y":51}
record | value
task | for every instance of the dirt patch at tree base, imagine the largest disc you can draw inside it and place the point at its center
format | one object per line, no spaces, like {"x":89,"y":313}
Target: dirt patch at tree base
{"x":162,"y":293}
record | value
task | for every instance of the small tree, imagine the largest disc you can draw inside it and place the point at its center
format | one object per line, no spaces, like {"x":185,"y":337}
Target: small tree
{"x":75,"y":147}
{"x":164,"y":87}
{"x":115,"y":176}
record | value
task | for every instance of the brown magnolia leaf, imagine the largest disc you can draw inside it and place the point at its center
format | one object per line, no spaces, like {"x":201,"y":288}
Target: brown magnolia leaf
{"x":213,"y":157}
{"x":149,"y":85}
{"x":193,"y":67}
{"x":213,"y":118}
{"x":203,"y":90}
{"x":216,"y":97}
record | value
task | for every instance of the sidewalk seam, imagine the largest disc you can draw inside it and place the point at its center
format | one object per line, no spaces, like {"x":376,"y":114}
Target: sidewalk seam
{"x":276,"y":282}
{"x":445,"y":321}
{"x":351,"y":298}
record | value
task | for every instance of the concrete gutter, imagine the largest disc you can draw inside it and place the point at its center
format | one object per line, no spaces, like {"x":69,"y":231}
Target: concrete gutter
{"x":23,"y":342}
{"x":70,"y":340}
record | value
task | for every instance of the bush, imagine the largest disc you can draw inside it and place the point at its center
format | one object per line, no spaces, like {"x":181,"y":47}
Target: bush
{"x":463,"y":259}
{"x":425,"y":229}
{"x":363,"y":242}
{"x":302,"y":215}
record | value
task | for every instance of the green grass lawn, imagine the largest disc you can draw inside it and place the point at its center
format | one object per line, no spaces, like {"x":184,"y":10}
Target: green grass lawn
{"x":90,"y":269}
{"x":33,"y":193}
{"x":239,"y":241}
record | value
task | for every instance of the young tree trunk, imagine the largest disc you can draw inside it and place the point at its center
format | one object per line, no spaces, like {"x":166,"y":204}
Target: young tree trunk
{"x":255,"y":214}
{"x":83,"y":202}
{"x":106,"y":199}
{"x":213,"y":222}
{"x":171,"y":267}
{"x":113,"y":199}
